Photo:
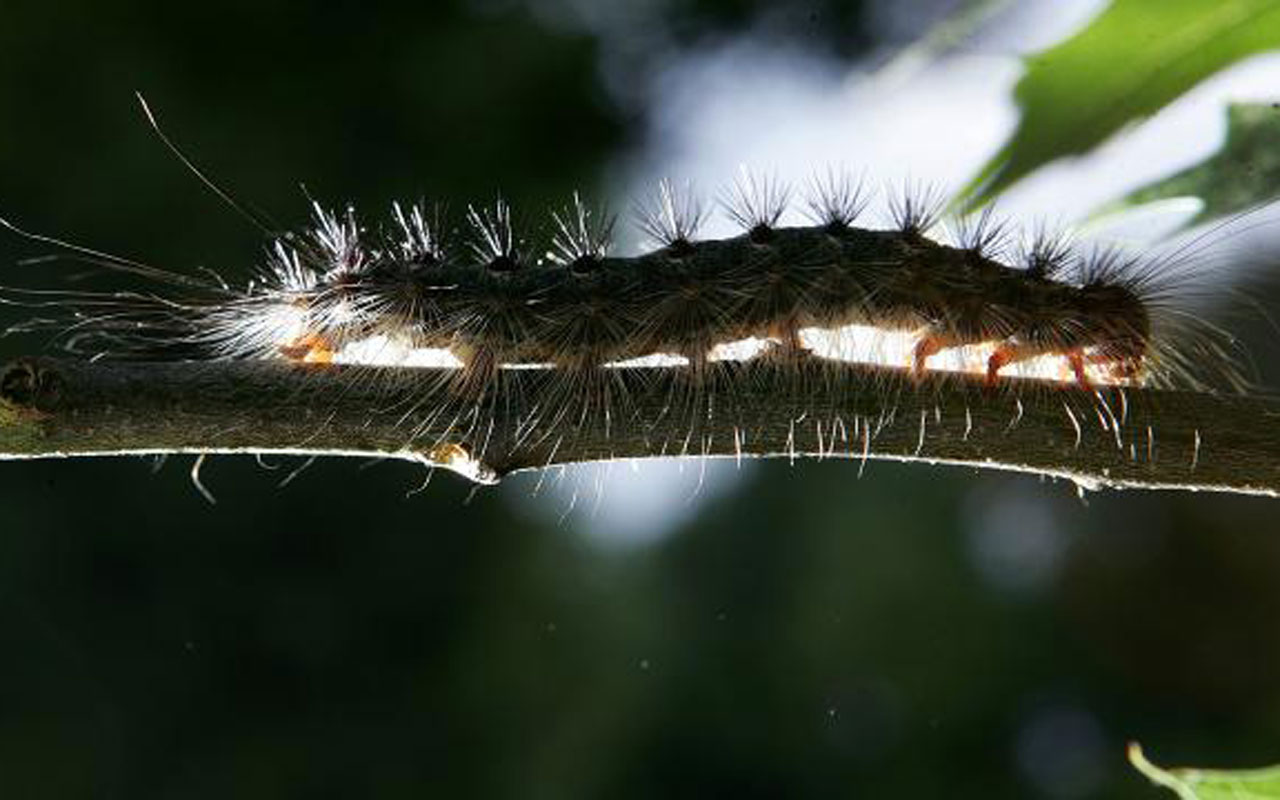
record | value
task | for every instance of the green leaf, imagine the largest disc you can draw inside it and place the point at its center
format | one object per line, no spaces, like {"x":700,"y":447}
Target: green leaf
{"x":1207,"y":784}
{"x":1243,"y":174}
{"x":1132,"y":60}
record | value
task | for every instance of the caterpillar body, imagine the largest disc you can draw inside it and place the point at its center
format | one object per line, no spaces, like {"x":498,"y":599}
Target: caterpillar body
{"x":479,"y":297}
{"x":323,"y":292}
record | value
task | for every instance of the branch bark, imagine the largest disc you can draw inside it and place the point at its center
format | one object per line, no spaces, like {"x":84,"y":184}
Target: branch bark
{"x":1112,"y":438}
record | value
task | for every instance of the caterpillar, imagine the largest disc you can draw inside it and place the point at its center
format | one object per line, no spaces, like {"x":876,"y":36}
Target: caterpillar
{"x":338,"y":292}
{"x":493,"y":303}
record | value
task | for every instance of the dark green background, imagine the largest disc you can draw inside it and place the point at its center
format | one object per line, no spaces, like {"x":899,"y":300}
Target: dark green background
{"x":809,"y":634}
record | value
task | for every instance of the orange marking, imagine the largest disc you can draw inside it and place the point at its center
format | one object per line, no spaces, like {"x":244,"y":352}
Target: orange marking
{"x":319,"y":355}
{"x":999,"y":358}
{"x":308,"y":349}
{"x":927,"y":346}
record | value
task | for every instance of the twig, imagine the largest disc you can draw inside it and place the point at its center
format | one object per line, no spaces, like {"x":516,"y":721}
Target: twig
{"x":1112,"y":438}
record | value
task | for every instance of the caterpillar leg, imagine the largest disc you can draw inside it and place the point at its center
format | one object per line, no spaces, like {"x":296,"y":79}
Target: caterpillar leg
{"x":932,"y":341}
{"x":927,"y":346}
{"x":1011,"y":352}
{"x":1004,"y":355}
{"x":1077,"y":361}
{"x":1007,"y":353}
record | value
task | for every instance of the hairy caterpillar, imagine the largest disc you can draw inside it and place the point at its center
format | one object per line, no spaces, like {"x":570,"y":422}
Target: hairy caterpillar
{"x":495,"y":306}
{"x":488,"y":297}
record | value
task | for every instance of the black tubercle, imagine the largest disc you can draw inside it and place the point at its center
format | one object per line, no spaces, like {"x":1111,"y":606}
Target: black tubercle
{"x":584,"y":265}
{"x":680,"y":249}
{"x":760,"y":234}
{"x":503,"y":263}
{"x":1047,"y":255}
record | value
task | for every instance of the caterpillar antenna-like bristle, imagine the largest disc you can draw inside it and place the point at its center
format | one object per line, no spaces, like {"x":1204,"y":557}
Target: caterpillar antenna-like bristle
{"x":1048,"y":252}
{"x":915,"y":207}
{"x":671,"y":216}
{"x":336,"y":240}
{"x":983,"y":234}
{"x":756,"y":202}
{"x":256,"y":218}
{"x":836,"y":198}
{"x":419,"y":242}
{"x":1102,"y":264}
{"x":582,"y":238}
{"x":118,"y":263}
{"x":286,"y":271}
{"x":494,"y":240}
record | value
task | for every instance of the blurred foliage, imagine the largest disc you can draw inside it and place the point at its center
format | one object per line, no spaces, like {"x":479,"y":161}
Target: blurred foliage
{"x":915,"y":633}
{"x":1209,"y":784}
{"x":1133,"y":59}
{"x":1243,"y":174}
